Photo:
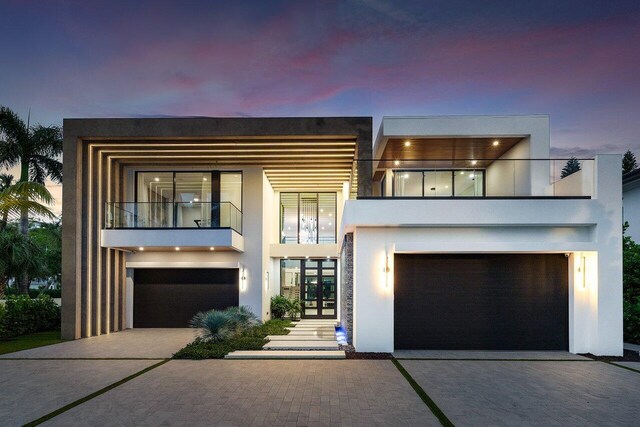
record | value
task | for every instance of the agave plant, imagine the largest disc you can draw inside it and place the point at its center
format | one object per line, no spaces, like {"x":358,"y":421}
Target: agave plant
{"x":242,"y":318}
{"x":213,"y":325}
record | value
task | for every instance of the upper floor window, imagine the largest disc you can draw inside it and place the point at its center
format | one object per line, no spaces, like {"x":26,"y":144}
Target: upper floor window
{"x":307,"y":218}
{"x":189,"y":199}
{"x":439,"y":183}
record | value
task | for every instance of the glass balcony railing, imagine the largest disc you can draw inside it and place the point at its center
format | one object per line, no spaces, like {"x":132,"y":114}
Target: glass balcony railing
{"x":483,"y":178}
{"x":155,"y":215}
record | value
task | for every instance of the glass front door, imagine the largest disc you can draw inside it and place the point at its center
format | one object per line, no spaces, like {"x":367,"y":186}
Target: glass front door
{"x":319,"y":289}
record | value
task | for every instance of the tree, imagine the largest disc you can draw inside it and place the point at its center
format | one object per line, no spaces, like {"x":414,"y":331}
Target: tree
{"x":629,"y":162}
{"x":36,"y":150}
{"x":48,"y":237}
{"x":19,"y":256}
{"x":631,"y":288}
{"x":572,"y":166}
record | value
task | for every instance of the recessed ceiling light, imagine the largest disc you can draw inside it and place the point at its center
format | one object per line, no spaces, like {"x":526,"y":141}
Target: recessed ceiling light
{"x":204,"y":178}
{"x":396,"y":162}
{"x":286,"y":256}
{"x":141,"y":248}
{"x":330,"y":214}
{"x":474,"y":162}
{"x":322,"y":228}
{"x":446,"y":186}
{"x":329,"y":223}
{"x":462,"y":173}
{"x":307,"y":257}
{"x":471,"y":176}
{"x":156,"y":179}
{"x":405,"y":176}
{"x":177,"y":248}
{"x":212,"y":248}
{"x":328,"y":257}
{"x":407,"y":143}
{"x":195,"y":199}
{"x":496,"y":143}
{"x":321,"y":210}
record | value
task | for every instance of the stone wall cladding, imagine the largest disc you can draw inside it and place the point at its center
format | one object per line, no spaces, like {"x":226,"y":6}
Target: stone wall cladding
{"x":346,"y":292}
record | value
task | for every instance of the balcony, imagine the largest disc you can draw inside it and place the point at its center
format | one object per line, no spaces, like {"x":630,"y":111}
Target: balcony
{"x":483,"y":178}
{"x":187,"y":225}
{"x":159,"y":215}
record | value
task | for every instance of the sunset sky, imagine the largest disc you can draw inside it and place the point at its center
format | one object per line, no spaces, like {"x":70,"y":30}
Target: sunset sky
{"x":577,"y":61}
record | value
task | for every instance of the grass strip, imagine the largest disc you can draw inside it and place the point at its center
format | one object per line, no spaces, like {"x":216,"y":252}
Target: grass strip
{"x":494,"y":360}
{"x":423,"y":395}
{"x":623,"y":367}
{"x":29,"y":341}
{"x":92,"y":395}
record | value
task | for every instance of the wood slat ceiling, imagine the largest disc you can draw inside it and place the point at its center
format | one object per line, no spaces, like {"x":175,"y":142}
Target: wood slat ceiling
{"x":321,"y":163}
{"x":449,"y":152}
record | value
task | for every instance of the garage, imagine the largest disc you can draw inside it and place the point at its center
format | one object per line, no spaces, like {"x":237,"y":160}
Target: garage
{"x":481,"y":302}
{"x":168,"y":298}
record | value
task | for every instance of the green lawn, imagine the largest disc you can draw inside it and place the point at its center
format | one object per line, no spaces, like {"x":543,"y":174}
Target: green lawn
{"x":25,"y":342}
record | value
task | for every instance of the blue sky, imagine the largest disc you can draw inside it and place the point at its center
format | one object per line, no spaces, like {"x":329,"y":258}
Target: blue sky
{"x":574,"y":60}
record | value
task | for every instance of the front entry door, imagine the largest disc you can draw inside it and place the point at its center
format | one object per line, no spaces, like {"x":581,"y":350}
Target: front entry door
{"x":319,"y":289}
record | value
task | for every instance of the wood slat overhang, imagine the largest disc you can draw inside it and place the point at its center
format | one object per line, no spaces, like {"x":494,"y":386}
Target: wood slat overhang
{"x":290,"y":162}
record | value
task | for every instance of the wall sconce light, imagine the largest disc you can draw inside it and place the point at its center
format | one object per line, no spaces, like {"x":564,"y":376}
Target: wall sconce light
{"x":386,"y":270}
{"x":243,"y":280}
{"x":266,"y":281}
{"x":582,"y":269}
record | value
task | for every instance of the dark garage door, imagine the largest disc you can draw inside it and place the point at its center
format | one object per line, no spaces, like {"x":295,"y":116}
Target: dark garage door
{"x":481,"y":302}
{"x":168,"y":298}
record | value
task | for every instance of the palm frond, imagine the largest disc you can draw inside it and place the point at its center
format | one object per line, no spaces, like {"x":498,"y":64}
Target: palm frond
{"x":25,"y":196}
{"x":27,"y":190}
{"x":12,"y":126}
{"x":46,"y":140}
{"x":48,"y":167}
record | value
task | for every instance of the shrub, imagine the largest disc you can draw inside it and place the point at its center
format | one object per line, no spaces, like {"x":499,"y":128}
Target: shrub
{"x":242,"y":319}
{"x":3,"y":330}
{"x":279,"y":306}
{"x":24,"y":315}
{"x":213,"y":325}
{"x":295,"y":308}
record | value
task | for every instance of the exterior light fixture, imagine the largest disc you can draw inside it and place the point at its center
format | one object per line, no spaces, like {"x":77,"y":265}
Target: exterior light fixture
{"x":195,"y":199}
{"x":330,"y":214}
{"x":471,"y":176}
{"x":177,"y":248}
{"x":328,"y":257}
{"x":243,"y":280}
{"x":446,"y":186}
{"x":156,"y":179}
{"x":307,"y":257}
{"x":212,"y":248}
{"x":286,"y":256}
{"x":396,"y":162}
{"x":496,"y":143}
{"x":462,"y":173}
{"x":266,"y":281}
{"x":386,"y":270}
{"x":321,"y":210}
{"x":141,"y":249}
{"x":582,"y":269}
{"x":204,"y":178}
{"x":474,"y":162}
{"x":407,"y":143}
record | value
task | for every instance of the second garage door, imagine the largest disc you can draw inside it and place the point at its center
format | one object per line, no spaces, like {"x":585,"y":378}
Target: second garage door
{"x":168,"y":298}
{"x":481,"y":302}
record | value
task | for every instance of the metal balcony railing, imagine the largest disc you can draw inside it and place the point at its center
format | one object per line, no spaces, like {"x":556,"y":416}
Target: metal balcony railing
{"x":161,"y":215}
{"x":482,"y":178}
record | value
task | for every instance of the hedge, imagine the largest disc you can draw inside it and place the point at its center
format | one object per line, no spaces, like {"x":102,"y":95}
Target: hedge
{"x":23,"y":315}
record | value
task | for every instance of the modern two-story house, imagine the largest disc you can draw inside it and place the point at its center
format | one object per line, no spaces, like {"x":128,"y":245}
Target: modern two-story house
{"x":443,"y":233}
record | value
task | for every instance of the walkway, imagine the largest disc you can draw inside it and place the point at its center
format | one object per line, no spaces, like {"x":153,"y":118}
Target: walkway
{"x":307,"y":339}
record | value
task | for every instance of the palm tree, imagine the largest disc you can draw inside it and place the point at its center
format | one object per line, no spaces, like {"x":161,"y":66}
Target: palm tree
{"x":36,"y":150}
{"x":20,"y":256}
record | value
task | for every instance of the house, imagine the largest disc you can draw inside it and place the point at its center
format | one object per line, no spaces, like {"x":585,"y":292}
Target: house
{"x":631,"y":202}
{"x":443,"y":233}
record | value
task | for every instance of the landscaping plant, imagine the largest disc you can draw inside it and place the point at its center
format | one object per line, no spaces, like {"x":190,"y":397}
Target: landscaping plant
{"x":279,"y":306}
{"x":631,"y":286}
{"x":23,"y":315}
{"x":213,"y":325}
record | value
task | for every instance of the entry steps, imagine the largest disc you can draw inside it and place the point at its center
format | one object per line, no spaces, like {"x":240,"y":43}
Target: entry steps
{"x":307,"y":339}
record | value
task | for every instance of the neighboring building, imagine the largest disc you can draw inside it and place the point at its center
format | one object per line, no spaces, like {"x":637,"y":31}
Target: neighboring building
{"x":631,"y":203}
{"x":447,"y":233}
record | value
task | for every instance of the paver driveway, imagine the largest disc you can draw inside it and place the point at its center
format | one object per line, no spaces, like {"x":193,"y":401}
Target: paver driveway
{"x":569,"y":390}
{"x":259,"y":392}
{"x":473,"y":393}
{"x":128,"y":344}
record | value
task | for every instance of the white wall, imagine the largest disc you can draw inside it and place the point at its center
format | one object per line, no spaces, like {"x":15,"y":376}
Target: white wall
{"x":509,"y":177}
{"x":586,"y":227}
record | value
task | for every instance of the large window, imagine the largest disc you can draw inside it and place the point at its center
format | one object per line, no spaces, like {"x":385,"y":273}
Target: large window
{"x":439,"y":183}
{"x":189,"y":199}
{"x":307,"y":218}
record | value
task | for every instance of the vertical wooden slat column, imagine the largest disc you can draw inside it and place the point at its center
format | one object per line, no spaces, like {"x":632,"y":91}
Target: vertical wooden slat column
{"x":85,"y":269}
{"x":94,"y":248}
{"x":122,"y":271}
{"x":104,"y":260}
{"x":114,"y":258}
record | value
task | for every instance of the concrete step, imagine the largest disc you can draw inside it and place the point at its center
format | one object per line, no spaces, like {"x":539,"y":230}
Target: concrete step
{"x":317,"y":334}
{"x":301,"y":345}
{"x":283,"y":354}
{"x":307,"y":327}
{"x":300,"y":337}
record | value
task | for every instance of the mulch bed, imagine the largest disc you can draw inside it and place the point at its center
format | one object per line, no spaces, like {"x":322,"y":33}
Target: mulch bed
{"x":370,"y":356}
{"x":629,"y":356}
